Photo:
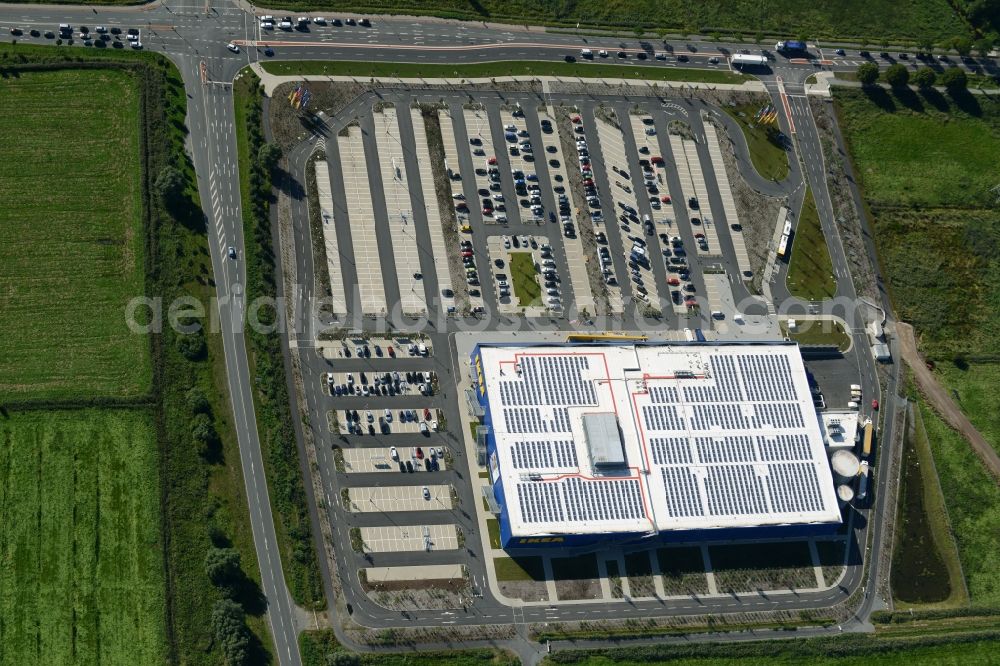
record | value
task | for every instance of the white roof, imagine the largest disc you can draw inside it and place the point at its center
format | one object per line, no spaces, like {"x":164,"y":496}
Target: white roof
{"x":715,"y":435}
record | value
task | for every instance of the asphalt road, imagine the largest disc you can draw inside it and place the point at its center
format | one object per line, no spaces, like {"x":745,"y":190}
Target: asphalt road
{"x":189,"y":35}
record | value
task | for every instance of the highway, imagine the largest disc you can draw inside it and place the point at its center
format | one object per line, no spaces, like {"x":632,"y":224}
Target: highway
{"x":189,"y":35}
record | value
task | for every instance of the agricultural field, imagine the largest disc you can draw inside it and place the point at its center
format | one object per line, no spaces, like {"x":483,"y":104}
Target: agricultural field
{"x":923,"y":149}
{"x":71,"y":240}
{"x":82,"y":581}
{"x":849,"y":18}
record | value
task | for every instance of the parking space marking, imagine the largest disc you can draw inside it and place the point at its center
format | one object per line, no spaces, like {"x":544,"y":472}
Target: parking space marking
{"x":728,"y":203}
{"x":451,"y":165}
{"x":378,"y":421}
{"x":433,"y":212}
{"x":704,"y":212}
{"x":323,"y":192}
{"x":379,"y":459}
{"x":409,"y":538}
{"x":520,"y":162}
{"x":402,"y":230}
{"x":574,"y":246}
{"x":384,"y":499}
{"x":613,"y":148}
{"x":477,"y":126}
{"x":362,"y":221}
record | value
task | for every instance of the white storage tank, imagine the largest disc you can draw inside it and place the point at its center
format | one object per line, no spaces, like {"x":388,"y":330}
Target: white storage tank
{"x":844,"y":494}
{"x":845,"y":465}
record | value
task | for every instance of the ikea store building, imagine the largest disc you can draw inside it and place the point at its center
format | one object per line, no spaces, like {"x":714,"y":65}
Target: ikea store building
{"x":592,"y":445}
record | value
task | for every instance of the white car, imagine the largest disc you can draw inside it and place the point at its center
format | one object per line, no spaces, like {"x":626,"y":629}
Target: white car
{"x":137,"y":45}
{"x":393,"y":453}
{"x":319,"y":20}
{"x":427,"y":493}
{"x":602,"y":53}
{"x":232,"y":47}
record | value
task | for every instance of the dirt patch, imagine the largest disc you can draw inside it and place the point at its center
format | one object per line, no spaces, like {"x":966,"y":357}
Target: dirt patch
{"x":582,"y":588}
{"x":682,"y":571}
{"x":527,"y":590}
{"x":941,"y":400}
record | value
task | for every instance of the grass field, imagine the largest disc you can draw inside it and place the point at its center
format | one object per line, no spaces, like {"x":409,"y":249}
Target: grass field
{"x":82,"y":580}
{"x":71,"y":245}
{"x":493,"y":526}
{"x":519,"y":568}
{"x":925,"y":565}
{"x":810,"y":272}
{"x":764,"y":142}
{"x":780,"y":17}
{"x":972,"y":498}
{"x":524,"y":279}
{"x":865,"y":652}
{"x":925,"y":150}
{"x":974,"y":389}
{"x":500,"y":68}
{"x":819,"y":332}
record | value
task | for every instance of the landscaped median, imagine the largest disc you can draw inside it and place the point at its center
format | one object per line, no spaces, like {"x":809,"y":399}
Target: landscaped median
{"x":488,"y":70}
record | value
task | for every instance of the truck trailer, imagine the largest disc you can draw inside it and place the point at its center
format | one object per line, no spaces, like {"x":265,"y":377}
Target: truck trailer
{"x":746,"y":60}
{"x":790,"y":46}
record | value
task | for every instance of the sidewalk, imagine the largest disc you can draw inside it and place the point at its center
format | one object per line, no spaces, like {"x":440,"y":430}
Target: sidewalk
{"x":272,"y":81}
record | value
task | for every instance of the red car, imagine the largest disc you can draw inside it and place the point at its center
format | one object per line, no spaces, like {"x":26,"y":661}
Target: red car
{"x":874,"y":404}
{"x":392,"y":351}
{"x":656,"y":159}
{"x":577,"y":120}
{"x":691,"y":303}
{"x":427,"y":414}
{"x":673,"y":282}
{"x":665,"y":199}
{"x":488,"y":212}
{"x":420,"y":453}
{"x":492,"y":160}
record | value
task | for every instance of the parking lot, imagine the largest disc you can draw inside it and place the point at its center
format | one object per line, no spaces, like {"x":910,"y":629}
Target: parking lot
{"x":408,"y":538}
{"x":380,"y":459}
{"x":361,"y":214}
{"x":387,"y":499}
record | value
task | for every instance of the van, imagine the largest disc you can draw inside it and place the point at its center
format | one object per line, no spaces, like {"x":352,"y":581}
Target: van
{"x":852,"y":405}
{"x":586,"y":53}
{"x":855,"y":388}
{"x":285,"y":25}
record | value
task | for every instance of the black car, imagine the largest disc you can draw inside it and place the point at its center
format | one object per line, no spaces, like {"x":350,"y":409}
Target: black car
{"x":16,"y":31}
{"x":682,"y":58}
{"x":409,"y":466}
{"x":365,"y":22}
{"x":402,"y":466}
{"x":569,"y":58}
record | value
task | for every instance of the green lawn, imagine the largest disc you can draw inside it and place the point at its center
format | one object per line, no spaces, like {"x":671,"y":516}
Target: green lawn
{"x":934,"y":18}
{"x":972,"y":498}
{"x":810,"y":271}
{"x":818,"y":332}
{"x":525,"y":279}
{"x":922,"y":155}
{"x":764,"y":141}
{"x":82,"y":575}
{"x":493,"y":526}
{"x":71,"y":238}
{"x":519,"y":568}
{"x":500,"y":68}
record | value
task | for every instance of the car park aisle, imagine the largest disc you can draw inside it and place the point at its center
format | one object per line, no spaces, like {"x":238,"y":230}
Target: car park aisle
{"x":368,"y":263}
{"x":704,"y":209}
{"x":409,"y":538}
{"x":728,"y":203}
{"x":380,"y":499}
{"x":402,"y":229}
{"x":576,"y":260}
{"x":339,"y":300}
{"x":430,"y":205}
{"x":625,"y":204}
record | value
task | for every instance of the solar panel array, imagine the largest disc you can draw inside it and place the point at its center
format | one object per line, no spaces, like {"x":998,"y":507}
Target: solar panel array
{"x":543,"y":455}
{"x":577,"y":500}
{"x":549,"y":380}
{"x":760,"y":461}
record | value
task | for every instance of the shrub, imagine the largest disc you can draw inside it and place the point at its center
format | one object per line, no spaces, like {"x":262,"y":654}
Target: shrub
{"x":197,"y":401}
{"x":229,"y":624}
{"x":954,"y":79}
{"x":222,"y":565}
{"x":192,"y":346}
{"x":867,"y":73}
{"x":897,"y":75}
{"x":925,"y":77}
